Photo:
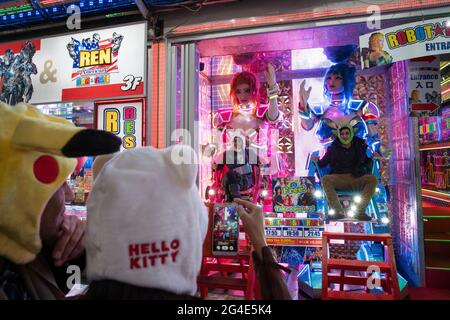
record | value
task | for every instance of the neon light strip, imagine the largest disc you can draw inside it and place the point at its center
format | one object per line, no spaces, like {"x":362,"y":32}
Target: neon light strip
{"x":445,"y":65}
{"x":437,"y":195}
{"x":435,"y":198}
{"x":16,"y":9}
{"x":6,"y":5}
{"x":447,"y":90}
{"x":437,"y":268}
{"x":438,"y":217}
{"x":440,"y":146}
{"x":303,"y":16}
{"x":158,"y":98}
{"x":44,"y":3}
{"x":437,"y":240}
{"x":443,"y":83}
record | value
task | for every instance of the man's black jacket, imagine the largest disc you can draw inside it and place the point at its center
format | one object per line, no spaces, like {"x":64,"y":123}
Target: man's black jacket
{"x":353,"y":160}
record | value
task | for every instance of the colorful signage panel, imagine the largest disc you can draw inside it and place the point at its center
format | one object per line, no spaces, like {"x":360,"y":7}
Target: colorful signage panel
{"x":294,"y":220}
{"x":97,"y":64}
{"x":124,"y":118}
{"x":407,"y":41}
{"x":293,"y":195}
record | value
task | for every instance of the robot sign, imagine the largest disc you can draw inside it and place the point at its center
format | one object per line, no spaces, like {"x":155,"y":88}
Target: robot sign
{"x":124,"y":118}
{"x":406,"y":41}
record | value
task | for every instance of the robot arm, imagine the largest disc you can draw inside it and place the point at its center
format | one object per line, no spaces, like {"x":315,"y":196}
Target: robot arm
{"x":370,"y":114}
{"x":308,"y":118}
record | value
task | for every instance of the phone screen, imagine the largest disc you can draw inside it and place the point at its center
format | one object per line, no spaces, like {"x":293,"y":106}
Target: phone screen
{"x":225,"y":229}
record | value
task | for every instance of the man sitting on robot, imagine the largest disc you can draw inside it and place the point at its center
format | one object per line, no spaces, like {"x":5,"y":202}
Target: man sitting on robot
{"x":350,"y":170}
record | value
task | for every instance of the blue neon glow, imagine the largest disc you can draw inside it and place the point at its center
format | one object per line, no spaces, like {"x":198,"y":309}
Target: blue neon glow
{"x":439,"y":129}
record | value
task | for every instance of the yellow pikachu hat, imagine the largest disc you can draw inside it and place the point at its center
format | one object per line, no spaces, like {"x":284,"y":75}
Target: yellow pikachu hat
{"x":37,"y":154}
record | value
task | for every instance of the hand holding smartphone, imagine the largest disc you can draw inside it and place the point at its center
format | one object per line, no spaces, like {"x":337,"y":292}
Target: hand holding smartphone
{"x":225,"y":231}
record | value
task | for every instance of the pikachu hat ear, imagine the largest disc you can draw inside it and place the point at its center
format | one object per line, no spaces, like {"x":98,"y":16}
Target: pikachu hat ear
{"x":39,"y":132}
{"x":34,"y":162}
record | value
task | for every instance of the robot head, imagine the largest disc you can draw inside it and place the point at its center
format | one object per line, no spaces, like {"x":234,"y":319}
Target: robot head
{"x":348,"y":77}
{"x":28,"y":50}
{"x":9,"y":56}
{"x":96,"y":37}
{"x":244,"y":90}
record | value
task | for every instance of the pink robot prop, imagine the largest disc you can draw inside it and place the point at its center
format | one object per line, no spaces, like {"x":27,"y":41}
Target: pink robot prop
{"x":250,"y":120}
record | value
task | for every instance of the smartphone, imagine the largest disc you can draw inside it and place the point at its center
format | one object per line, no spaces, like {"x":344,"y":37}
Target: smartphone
{"x":225,"y":231}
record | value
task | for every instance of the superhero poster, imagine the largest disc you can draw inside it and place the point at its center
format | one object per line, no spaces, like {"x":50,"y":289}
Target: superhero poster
{"x":17,"y":71}
{"x":293,"y":195}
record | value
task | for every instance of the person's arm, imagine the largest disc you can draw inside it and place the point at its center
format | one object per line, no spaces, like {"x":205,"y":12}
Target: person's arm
{"x":273,"y":286}
{"x":326,"y":159}
{"x":273,"y":112}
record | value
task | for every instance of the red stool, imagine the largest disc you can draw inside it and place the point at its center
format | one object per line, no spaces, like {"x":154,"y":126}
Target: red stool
{"x":389,"y":282}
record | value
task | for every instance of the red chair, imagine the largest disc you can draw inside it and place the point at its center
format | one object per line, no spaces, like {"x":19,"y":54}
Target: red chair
{"x":389,"y":283}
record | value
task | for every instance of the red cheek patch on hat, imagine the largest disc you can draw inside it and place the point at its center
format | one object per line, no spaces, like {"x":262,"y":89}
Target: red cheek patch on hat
{"x":46,"y":169}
